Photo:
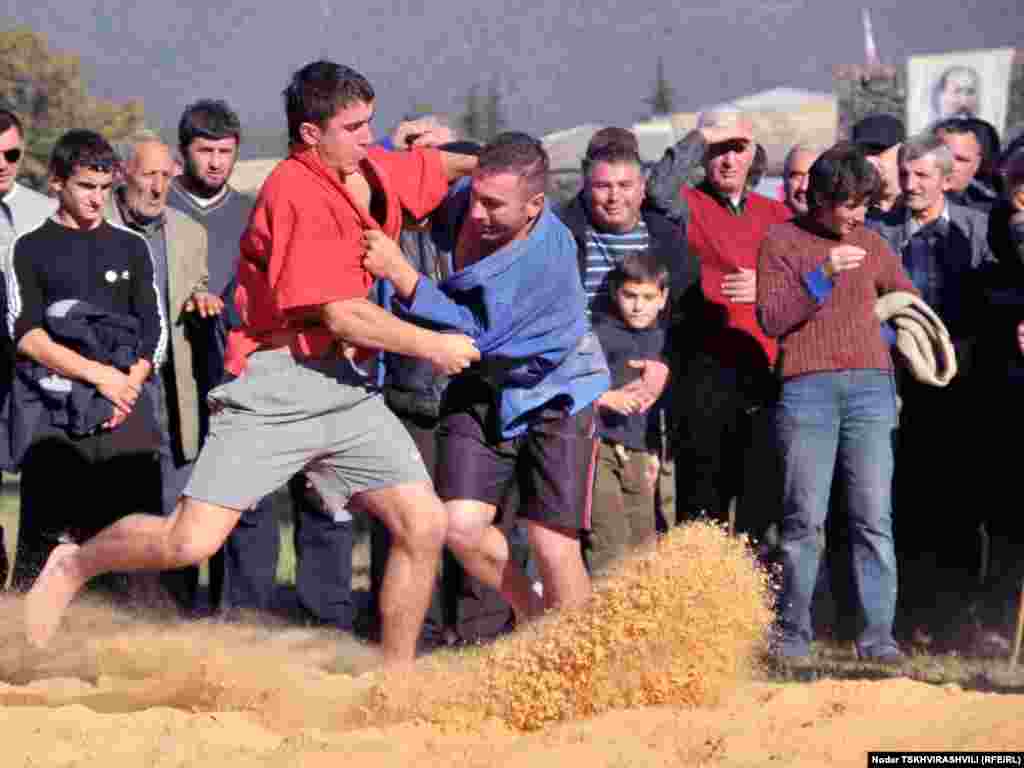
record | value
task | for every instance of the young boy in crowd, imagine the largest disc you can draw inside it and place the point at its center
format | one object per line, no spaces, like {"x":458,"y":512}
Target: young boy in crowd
{"x":628,"y":465}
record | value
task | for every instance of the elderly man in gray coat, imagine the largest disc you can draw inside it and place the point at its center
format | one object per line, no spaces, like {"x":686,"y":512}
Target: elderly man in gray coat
{"x":178,"y":246}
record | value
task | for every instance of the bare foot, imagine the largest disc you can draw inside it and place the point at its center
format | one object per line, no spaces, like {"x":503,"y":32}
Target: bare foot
{"x":49,"y":597}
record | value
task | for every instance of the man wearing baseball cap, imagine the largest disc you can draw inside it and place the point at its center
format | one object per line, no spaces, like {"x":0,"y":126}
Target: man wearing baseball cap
{"x":880,"y":136}
{"x":723,"y":384}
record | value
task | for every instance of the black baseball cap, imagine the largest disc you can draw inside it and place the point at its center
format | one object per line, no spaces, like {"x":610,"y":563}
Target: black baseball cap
{"x":877,"y":133}
{"x":462,"y":148}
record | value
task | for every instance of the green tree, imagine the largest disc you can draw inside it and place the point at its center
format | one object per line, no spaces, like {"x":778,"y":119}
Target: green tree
{"x":48,"y":92}
{"x":472,"y":121}
{"x":663,"y":95}
{"x":494,"y":112}
{"x":866,"y":90}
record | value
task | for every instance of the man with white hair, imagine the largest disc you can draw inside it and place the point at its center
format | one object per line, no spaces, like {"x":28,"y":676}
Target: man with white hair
{"x":945,"y":251}
{"x":723,"y":371}
{"x":179,"y":249}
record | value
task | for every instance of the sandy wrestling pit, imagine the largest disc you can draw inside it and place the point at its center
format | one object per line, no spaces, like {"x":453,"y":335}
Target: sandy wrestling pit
{"x":659,"y":670}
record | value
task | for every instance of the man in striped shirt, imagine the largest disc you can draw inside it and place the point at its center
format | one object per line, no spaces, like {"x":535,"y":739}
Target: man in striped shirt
{"x":614,"y":192}
{"x":608,"y":223}
{"x":611,"y":198}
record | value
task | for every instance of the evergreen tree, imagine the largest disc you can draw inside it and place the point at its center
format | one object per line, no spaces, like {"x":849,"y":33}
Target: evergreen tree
{"x":484,"y":117}
{"x":494,"y":113}
{"x":472,"y":121}
{"x":662,"y":100}
{"x":869,"y":90}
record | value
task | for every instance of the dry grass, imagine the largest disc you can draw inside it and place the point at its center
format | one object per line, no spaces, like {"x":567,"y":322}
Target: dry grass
{"x":835,"y":661}
{"x":681,"y":625}
{"x":678,"y":625}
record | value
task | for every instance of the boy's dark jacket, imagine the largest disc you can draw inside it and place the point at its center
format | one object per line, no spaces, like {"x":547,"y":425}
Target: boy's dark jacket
{"x":622,"y":344}
{"x":685,"y":307}
{"x":44,"y":405}
{"x":524,"y":307}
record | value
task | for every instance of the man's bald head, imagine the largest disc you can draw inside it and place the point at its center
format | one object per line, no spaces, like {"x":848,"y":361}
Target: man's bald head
{"x":148,"y":170}
{"x":796,"y":175}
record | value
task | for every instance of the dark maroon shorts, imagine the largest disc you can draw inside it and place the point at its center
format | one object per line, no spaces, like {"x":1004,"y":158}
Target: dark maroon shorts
{"x":552,"y":464}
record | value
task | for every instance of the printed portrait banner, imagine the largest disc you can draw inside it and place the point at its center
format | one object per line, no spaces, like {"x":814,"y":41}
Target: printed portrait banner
{"x":960,"y":83}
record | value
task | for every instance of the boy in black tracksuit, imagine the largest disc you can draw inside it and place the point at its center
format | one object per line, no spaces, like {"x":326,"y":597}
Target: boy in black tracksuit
{"x":74,"y":485}
{"x":623,"y":514}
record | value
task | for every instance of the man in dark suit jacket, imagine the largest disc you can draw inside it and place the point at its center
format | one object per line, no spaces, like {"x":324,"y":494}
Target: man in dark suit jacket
{"x":974,"y":144}
{"x":944,"y":248}
{"x":1000,"y":366}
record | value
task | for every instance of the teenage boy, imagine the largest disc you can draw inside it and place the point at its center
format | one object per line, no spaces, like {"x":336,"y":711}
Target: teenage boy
{"x":243,"y":574}
{"x":627,"y":462}
{"x":105,"y":472}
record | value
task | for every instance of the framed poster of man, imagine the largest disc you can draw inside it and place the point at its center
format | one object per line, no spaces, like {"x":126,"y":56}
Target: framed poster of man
{"x":967,"y":83}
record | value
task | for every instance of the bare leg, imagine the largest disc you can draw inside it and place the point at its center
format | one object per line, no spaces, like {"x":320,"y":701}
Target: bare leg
{"x":560,"y":562}
{"x":483,"y":551}
{"x":134,"y":543}
{"x":418,"y":522}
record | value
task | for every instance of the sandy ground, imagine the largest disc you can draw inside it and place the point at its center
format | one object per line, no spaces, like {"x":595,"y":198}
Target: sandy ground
{"x":681,"y":626}
{"x":63,"y":723}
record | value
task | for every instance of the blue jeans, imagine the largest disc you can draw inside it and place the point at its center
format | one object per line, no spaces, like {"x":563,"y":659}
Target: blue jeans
{"x":826,"y":421}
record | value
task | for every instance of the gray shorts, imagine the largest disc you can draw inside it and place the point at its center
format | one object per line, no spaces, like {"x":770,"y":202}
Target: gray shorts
{"x":284,"y":416}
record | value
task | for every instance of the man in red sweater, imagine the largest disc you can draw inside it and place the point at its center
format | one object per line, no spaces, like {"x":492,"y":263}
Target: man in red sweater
{"x":723,"y":371}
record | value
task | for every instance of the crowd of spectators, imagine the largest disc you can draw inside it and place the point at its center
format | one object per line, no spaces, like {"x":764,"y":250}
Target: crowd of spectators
{"x":833,"y":373}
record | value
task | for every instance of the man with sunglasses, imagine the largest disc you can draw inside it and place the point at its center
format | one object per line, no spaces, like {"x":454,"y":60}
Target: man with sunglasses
{"x":21,"y":209}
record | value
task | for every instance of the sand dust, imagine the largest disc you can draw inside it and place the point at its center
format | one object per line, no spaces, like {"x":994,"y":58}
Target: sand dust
{"x":657,"y":671}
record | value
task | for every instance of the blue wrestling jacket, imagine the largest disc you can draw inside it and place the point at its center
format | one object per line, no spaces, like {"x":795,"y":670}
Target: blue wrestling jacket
{"x":525,"y":308}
